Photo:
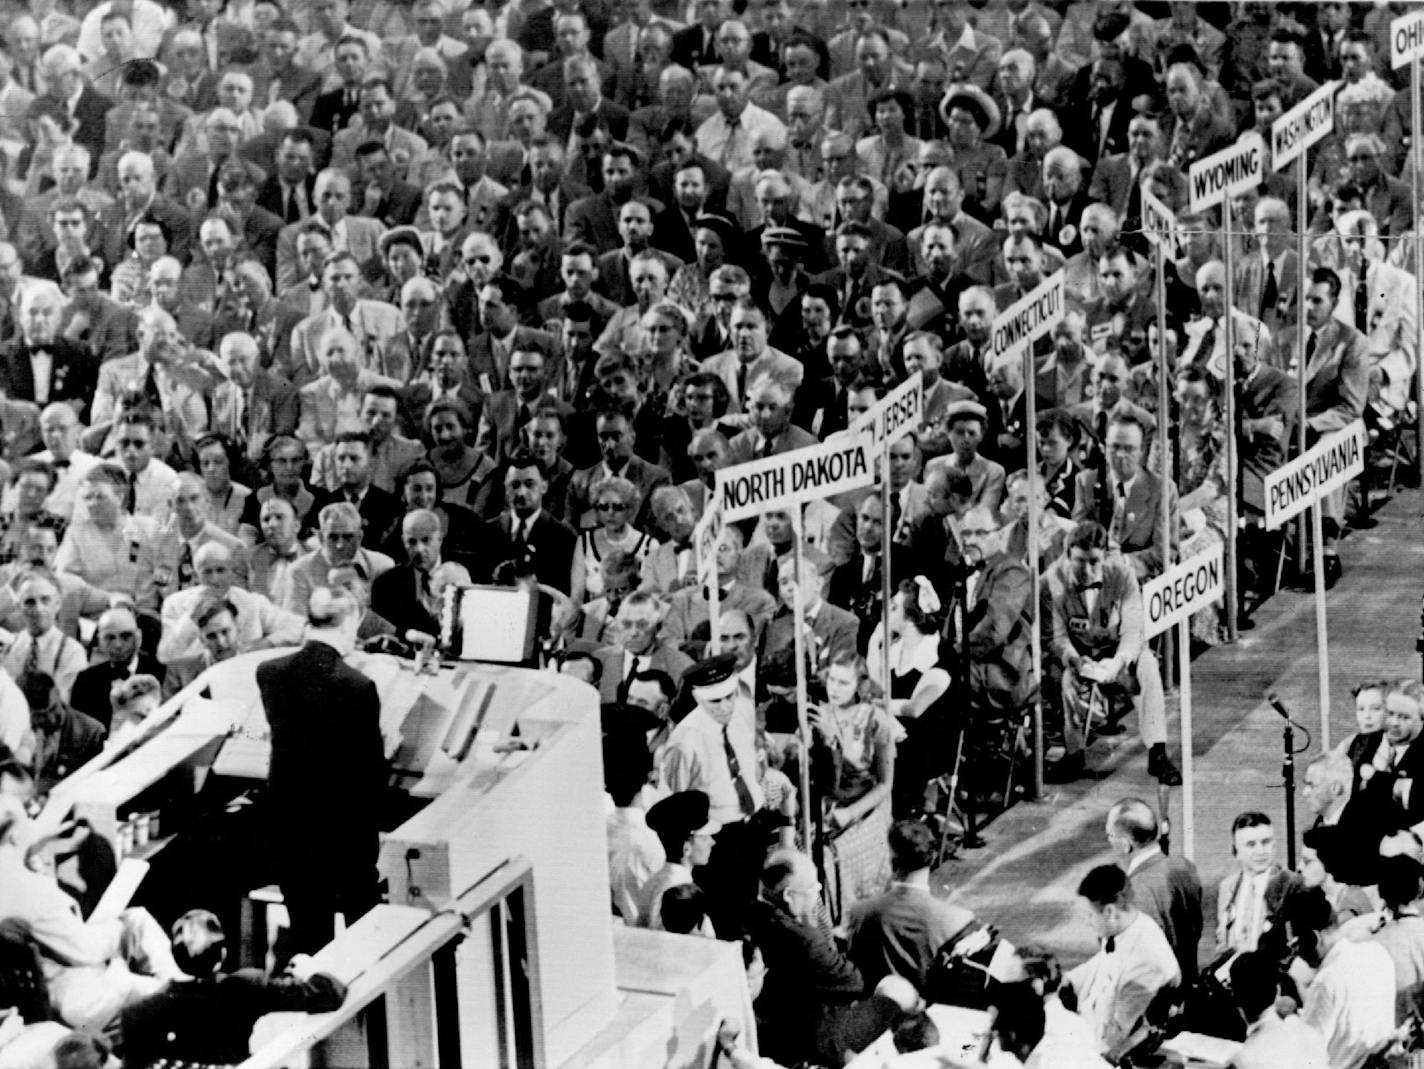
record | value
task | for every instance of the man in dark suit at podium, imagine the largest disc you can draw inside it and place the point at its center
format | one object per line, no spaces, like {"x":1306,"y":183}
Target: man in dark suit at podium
{"x":327,"y":774}
{"x":527,"y":537}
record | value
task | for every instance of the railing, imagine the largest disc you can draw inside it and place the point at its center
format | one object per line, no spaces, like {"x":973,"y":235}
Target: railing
{"x":403,"y":1005}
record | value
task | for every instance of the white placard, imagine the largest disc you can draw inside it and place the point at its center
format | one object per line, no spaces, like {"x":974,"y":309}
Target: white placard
{"x":1181,"y":590}
{"x":1158,"y":222}
{"x":783,"y":481}
{"x":1328,"y":465}
{"x":704,"y":540}
{"x":1406,"y":39}
{"x":1030,"y":317}
{"x":1303,"y":125}
{"x":1235,"y":168}
{"x":896,"y":414}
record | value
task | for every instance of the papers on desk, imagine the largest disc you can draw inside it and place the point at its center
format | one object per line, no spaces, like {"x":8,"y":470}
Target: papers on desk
{"x":961,"y":1036}
{"x":1201,"y":1052}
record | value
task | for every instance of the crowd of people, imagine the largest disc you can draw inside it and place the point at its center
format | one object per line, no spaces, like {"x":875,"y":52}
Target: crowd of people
{"x":362,"y":300}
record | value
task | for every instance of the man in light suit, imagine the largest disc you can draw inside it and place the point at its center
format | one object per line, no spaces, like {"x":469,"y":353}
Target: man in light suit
{"x":350,"y":233}
{"x":1383,"y":305}
{"x":1166,"y":888}
{"x":373,"y":324}
{"x":1337,"y":379}
{"x":751,"y":358}
{"x":378,"y":110}
{"x":1205,"y":345}
{"x":491,"y":350}
{"x":1115,"y":178}
{"x":772,"y":432}
{"x":970,"y":54}
{"x":1270,"y":277}
{"x":642,"y":647}
{"x":174,"y":386}
{"x":1129,"y":506}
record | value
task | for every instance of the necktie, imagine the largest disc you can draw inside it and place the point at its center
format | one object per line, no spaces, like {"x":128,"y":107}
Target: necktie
{"x":768,"y":447}
{"x":293,"y":213}
{"x":1208,"y":343}
{"x":744,"y":793}
{"x":742,"y":385}
{"x":1362,"y":299}
{"x":32,"y":659}
{"x":150,"y":388}
{"x":213,"y":187}
{"x":346,"y":322}
{"x":1309,"y":351}
{"x":1269,"y":292}
{"x":733,"y":125}
{"x":185,"y":566}
{"x":131,"y":495}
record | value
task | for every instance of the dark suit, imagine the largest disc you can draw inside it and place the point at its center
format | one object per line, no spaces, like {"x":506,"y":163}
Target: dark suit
{"x":695,"y":47}
{"x":74,"y":376}
{"x":614,"y":281}
{"x":644,"y":476}
{"x":90,"y":113}
{"x":393,"y":596}
{"x":259,"y":234}
{"x":90,"y":694}
{"x":1066,"y":232}
{"x":491,"y":374}
{"x":325,"y":782}
{"x":999,"y":633}
{"x":855,"y":294}
{"x":379,"y":509}
{"x":331,"y":111}
{"x":614,"y":116}
{"x":848,"y":589}
{"x":500,"y":426}
{"x":719,"y":182}
{"x":808,"y":979}
{"x":966,"y":367}
{"x":821,"y":407}
{"x":834,"y":630}
{"x":548,"y":552}
{"x":1168,"y":889}
{"x":398,"y":207}
{"x":269,"y":197}
{"x":1267,"y":393}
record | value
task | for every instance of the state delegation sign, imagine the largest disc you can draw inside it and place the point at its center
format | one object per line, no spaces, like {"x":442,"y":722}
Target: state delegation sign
{"x":896,"y":414}
{"x":1303,"y":125}
{"x":1182,"y":590}
{"x":1223,"y":174}
{"x":782,"y":482}
{"x":1328,"y":465}
{"x":1157,"y":219}
{"x":1406,"y":39}
{"x":1030,"y":317}
{"x":704,"y":539}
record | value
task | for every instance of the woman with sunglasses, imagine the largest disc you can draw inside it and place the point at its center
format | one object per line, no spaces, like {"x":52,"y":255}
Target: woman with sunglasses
{"x":615,"y":500}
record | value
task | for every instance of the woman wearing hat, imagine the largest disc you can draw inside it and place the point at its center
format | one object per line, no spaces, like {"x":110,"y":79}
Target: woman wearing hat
{"x":973,"y":118}
{"x":885,"y":154}
{"x":714,"y":238}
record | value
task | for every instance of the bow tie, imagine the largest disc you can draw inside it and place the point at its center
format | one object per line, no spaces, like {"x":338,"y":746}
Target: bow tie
{"x":683,"y":546}
{"x":1092,"y":586}
{"x":291,"y":554}
{"x":60,"y":464}
{"x":1110,"y":946}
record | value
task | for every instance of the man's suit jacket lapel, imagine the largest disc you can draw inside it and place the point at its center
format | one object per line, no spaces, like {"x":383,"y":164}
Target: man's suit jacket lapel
{"x":1324,"y":358}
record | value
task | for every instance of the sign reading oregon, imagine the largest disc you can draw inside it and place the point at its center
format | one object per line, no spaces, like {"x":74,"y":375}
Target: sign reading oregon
{"x":1181,"y":591}
{"x":835,"y":466}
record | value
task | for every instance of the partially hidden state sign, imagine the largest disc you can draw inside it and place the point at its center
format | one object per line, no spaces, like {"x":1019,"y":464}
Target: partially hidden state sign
{"x":1158,"y":221}
{"x":704,"y":540}
{"x":1406,"y":39}
{"x":780,"y":482}
{"x":896,"y":414}
{"x":1182,"y":590}
{"x":1303,"y":125}
{"x":1328,"y":465}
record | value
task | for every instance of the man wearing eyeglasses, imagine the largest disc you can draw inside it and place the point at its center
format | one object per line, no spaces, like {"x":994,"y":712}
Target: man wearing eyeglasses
{"x":118,"y":643}
{"x":1126,"y":499}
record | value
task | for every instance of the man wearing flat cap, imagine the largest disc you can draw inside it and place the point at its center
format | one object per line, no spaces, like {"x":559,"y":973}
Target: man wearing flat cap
{"x":686,"y":830}
{"x":713,"y":750}
{"x":966,"y":423}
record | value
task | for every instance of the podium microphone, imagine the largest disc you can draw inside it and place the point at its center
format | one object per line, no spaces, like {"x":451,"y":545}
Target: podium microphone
{"x":1287,"y":772}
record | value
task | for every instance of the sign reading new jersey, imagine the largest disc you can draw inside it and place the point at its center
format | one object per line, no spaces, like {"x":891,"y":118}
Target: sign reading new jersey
{"x":897,"y":414}
{"x":704,"y":540}
{"x":1030,"y":317}
{"x":1328,"y":465}
{"x":1303,"y":125}
{"x":783,"y":481}
{"x":1406,"y":39}
{"x":1157,"y":219}
{"x":1223,"y":174}
{"x":1181,"y":590}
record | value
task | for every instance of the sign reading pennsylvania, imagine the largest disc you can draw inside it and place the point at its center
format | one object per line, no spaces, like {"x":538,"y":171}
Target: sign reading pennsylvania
{"x":1223,"y":174}
{"x":1328,"y":465}
{"x":1180,"y":591}
{"x":896,"y":414}
{"x":1303,"y":125}
{"x":1030,"y":317}
{"x":781,"y":482}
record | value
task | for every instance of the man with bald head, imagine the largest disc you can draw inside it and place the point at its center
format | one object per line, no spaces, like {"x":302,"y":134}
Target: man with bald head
{"x":165,"y":371}
{"x":771,"y":432}
{"x":42,"y":647}
{"x":139,"y":198}
{"x":409,"y":594}
{"x":259,"y":623}
{"x":117,"y":640}
{"x":192,"y":180}
{"x":1165,"y":887}
{"x":1206,"y":336}
{"x":40,"y":365}
{"x":192,"y":528}
{"x":941,"y":202}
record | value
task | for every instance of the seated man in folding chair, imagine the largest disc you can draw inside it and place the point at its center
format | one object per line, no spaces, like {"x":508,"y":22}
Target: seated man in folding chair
{"x":1097,"y":642}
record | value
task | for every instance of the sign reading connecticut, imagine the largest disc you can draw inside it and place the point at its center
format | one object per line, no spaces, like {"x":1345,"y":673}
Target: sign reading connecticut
{"x":1030,"y":317}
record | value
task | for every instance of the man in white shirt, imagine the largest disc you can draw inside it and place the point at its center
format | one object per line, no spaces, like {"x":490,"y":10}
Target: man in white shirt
{"x":634,"y":852}
{"x":42,"y":647}
{"x":59,"y":427}
{"x":727,"y":136}
{"x":150,"y":480}
{"x":1348,"y":985}
{"x":1272,"y":1041}
{"x":1118,"y":983}
{"x":149,"y":21}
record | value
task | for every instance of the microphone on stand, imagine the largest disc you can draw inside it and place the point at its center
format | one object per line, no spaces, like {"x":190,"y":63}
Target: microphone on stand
{"x":1287,"y":772}
{"x":1274,"y":701}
